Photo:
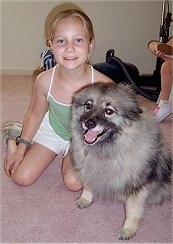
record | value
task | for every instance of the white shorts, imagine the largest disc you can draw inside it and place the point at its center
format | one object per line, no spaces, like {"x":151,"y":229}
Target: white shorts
{"x":47,"y":137}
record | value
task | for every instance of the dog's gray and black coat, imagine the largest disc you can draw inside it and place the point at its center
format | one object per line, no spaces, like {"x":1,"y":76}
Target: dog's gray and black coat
{"x":118,"y":151}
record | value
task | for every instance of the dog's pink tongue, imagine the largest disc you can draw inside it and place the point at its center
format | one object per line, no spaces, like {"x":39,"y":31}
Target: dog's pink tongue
{"x":91,"y":136}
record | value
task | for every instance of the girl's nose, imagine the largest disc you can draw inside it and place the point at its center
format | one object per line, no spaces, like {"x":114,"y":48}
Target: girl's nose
{"x":70,"y":46}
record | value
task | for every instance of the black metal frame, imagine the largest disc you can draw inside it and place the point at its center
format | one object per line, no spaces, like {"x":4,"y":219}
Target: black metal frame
{"x":166,"y":19}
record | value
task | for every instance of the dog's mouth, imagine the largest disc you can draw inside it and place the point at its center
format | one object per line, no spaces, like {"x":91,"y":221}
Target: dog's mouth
{"x":92,"y":136}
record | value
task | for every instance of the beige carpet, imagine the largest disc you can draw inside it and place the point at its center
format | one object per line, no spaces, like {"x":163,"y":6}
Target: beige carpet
{"x":46,"y":212}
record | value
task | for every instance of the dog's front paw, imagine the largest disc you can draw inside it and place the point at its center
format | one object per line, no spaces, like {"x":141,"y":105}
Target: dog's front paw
{"x":85,"y":199}
{"x":83,"y":203}
{"x":125,"y":234}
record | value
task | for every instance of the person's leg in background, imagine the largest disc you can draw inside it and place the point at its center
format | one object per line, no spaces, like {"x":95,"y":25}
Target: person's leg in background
{"x":164,"y":104}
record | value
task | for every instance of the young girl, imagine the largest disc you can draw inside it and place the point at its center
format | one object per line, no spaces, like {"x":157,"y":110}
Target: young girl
{"x":47,"y":124}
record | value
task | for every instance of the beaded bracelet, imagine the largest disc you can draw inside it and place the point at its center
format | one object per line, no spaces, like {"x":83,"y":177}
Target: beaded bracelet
{"x":23,"y":141}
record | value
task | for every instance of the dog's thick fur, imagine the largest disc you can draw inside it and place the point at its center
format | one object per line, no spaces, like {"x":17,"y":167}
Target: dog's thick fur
{"x":118,"y":151}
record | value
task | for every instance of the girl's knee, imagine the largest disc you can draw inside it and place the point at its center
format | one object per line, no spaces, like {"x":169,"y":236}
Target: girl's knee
{"x":71,"y":182}
{"x":22,"y":179}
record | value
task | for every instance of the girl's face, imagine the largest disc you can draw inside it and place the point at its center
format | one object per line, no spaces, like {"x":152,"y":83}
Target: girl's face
{"x":70,"y":45}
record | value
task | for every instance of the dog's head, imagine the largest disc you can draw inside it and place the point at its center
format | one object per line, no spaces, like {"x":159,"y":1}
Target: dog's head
{"x":102,"y":110}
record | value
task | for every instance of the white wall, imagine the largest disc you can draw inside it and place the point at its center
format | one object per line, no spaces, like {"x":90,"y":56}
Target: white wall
{"x":125,"y":26}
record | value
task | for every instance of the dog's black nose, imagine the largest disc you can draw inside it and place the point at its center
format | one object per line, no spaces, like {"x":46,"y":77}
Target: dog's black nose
{"x":90,"y":123}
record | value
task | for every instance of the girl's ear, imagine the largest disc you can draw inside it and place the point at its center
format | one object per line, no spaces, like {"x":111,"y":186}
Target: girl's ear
{"x":91,"y":47}
{"x":92,"y":43}
{"x":49,"y":43}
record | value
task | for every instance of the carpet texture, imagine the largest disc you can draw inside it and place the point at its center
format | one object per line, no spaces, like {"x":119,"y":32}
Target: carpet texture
{"x":46,"y":213}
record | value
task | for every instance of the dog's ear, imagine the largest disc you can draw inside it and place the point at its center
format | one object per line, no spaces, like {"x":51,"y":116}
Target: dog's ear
{"x":131,"y":109}
{"x":138,"y":110}
{"x":133,"y":113}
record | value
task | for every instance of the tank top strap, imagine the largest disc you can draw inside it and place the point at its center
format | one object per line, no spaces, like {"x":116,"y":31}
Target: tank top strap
{"x":92,"y":74}
{"x":51,"y":81}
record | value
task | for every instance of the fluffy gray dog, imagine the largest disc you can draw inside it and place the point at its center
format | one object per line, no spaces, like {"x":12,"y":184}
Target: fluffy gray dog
{"x":118,"y":151}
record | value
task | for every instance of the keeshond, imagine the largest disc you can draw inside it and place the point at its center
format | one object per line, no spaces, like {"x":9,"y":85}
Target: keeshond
{"x":118,"y":151}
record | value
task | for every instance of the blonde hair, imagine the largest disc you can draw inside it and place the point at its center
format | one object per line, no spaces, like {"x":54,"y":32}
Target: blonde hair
{"x":73,"y":13}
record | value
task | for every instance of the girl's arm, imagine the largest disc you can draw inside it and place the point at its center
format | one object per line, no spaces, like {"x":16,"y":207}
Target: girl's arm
{"x":37,"y":111}
{"x":32,"y":122}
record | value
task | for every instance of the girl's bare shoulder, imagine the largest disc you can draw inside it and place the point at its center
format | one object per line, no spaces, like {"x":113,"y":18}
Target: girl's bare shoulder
{"x":98,"y":76}
{"x":44,"y":76}
{"x":43,"y":80}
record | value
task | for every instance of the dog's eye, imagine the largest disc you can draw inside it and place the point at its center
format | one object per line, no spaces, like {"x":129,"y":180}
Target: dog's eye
{"x":109,"y":111}
{"x":88,"y":105}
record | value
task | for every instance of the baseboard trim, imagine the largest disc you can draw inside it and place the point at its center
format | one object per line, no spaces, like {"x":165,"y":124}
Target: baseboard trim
{"x":20,"y":72}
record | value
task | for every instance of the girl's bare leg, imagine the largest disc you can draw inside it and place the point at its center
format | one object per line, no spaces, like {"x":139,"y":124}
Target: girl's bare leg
{"x":35,"y":161}
{"x":70,"y":179}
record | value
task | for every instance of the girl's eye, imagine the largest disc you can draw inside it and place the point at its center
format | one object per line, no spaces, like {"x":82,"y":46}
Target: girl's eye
{"x":88,"y":105}
{"x":61,"y":42}
{"x":79,"y":41}
{"x":109,"y":111}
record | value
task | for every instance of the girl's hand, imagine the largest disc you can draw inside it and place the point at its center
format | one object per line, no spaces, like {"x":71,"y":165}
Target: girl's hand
{"x":12,"y":161}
